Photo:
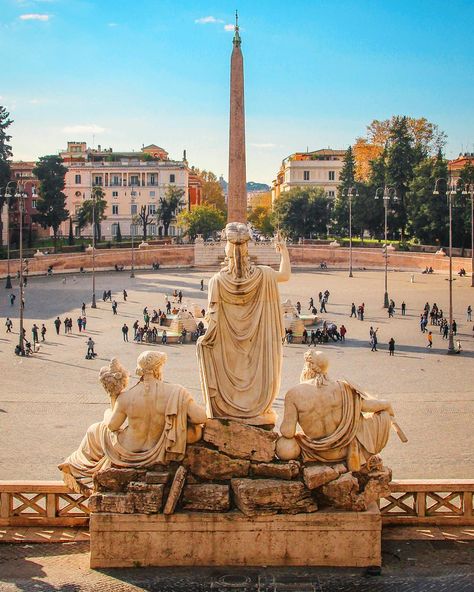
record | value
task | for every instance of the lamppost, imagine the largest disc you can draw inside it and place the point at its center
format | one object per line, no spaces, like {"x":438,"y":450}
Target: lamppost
{"x":21,"y":195}
{"x":450,"y":193}
{"x":8,"y":196}
{"x":93,"y":196}
{"x":350,"y":193}
{"x":386,"y":201}
{"x":469,"y":190}
{"x":132,"y":233}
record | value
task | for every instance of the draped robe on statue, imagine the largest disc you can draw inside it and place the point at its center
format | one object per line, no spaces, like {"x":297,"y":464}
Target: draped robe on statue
{"x":240,"y":356}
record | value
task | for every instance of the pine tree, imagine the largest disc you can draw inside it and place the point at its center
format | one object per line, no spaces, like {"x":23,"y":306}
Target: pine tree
{"x":118,"y":236}
{"x":341,"y":204}
{"x":70,"y":239}
{"x":51,"y":205}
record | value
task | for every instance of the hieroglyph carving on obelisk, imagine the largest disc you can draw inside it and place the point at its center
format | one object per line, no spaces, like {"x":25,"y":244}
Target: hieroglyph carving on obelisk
{"x":237,"y":191}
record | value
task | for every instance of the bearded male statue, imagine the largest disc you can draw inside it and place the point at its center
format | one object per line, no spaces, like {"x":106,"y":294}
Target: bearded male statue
{"x":240,"y":356}
{"x":332,"y":415}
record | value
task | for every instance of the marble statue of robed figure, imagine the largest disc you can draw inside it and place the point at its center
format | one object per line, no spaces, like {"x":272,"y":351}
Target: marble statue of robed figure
{"x":240,"y":356}
{"x":149,"y":424}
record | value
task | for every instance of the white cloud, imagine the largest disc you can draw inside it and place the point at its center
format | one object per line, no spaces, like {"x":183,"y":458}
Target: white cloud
{"x":34,"y":17}
{"x":91,"y":128}
{"x":229,"y":27}
{"x":206,"y":20}
{"x":112,"y":24}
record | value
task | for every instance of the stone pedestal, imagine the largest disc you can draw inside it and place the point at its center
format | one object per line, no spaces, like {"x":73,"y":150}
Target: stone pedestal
{"x":324,"y":538}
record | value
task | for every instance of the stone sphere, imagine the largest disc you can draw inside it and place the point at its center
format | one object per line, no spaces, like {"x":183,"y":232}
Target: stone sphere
{"x":287,"y":448}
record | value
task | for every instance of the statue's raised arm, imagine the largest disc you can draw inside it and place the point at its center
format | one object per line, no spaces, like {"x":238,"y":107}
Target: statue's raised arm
{"x":284,"y":273}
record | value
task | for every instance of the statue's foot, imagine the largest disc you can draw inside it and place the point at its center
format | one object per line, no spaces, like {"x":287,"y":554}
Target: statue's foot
{"x":287,"y":448}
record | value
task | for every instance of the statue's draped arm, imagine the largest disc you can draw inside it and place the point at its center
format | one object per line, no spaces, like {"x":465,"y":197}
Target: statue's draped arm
{"x":117,"y":418}
{"x":290,"y":419}
{"x":284,"y":273}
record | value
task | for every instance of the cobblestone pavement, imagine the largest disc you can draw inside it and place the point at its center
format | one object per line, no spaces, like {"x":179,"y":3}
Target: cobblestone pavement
{"x":48,"y":401}
{"x":435,"y":566}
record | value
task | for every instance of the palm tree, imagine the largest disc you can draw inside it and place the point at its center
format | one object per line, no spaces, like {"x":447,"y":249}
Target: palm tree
{"x":93,"y":209}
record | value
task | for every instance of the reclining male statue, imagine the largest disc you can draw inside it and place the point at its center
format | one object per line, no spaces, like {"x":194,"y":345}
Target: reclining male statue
{"x":146,"y":425}
{"x":331,"y":415}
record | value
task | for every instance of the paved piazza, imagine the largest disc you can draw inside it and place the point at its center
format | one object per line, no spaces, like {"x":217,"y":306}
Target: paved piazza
{"x":47,"y":401}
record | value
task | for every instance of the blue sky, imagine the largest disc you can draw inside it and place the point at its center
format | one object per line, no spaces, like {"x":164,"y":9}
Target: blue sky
{"x":155,"y":71}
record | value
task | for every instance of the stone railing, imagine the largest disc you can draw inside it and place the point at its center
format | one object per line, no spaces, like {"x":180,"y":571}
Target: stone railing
{"x":412,"y":502}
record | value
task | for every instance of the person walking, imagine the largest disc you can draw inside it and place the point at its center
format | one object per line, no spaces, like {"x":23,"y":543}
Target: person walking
{"x":430,"y":339}
{"x":373,"y":341}
{"x":311,"y":304}
{"x":114,"y":307}
{"x":455,"y":327}
{"x":298,"y":307}
{"x":202,"y":285}
{"x":34,"y":333}
{"x":84,"y":323}
{"x":43,"y":331}
{"x":125,"y":295}
{"x":9,"y":325}
{"x":168,"y":307}
{"x":164,"y":337}
{"x":83,"y":308}
{"x":57,"y":324}
{"x":12,"y":299}
{"x":323,"y":304}
{"x":404,"y":307}
{"x":304,"y":336}
{"x":391,"y":346}
{"x":469,"y":313}
{"x":445,"y":329}
{"x":79,"y":323}
{"x":180,"y":297}
{"x":342,"y":332}
{"x":90,"y":349}
{"x":353,"y":310}
{"x":135,"y":329}
{"x":125,"y":332}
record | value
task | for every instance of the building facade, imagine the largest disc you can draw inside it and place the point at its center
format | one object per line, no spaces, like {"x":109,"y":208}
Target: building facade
{"x":129,"y":181}
{"x":456,"y":165}
{"x":320,"y":168}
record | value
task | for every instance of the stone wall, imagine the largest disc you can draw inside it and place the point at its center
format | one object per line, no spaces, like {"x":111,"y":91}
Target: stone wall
{"x":212,"y":254}
{"x":338,"y":257}
{"x":166,"y":256}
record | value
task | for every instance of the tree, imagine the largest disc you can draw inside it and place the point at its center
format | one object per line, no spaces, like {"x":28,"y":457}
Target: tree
{"x":462,"y":221}
{"x":341,"y":204}
{"x":51,"y":205}
{"x":428,"y":215}
{"x":5,"y":155}
{"x":70,"y":239}
{"x":261,"y":219}
{"x":211,"y":191}
{"x":93,"y":210}
{"x":169,"y":205}
{"x":144,"y":218}
{"x":364,"y":154}
{"x":118,"y":236}
{"x":425,"y":135}
{"x":302,"y":212}
{"x":205,"y":220}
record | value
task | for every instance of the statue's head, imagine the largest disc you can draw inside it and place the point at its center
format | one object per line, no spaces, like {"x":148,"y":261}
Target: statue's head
{"x":237,"y":253}
{"x":151,"y":362}
{"x":114,"y":377}
{"x":316,"y":365}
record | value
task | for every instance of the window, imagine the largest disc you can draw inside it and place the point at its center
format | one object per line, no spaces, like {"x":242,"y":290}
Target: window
{"x":331,"y":193}
{"x":172,"y":178}
{"x":34,"y":190}
{"x":116,"y":180}
{"x":77,"y":231}
{"x":33,"y":204}
{"x":98,"y":180}
{"x":152,"y":209}
{"x":133,"y":209}
{"x":115,"y":210}
{"x":153,"y":180}
{"x":114,"y":229}
{"x":77,"y":179}
{"x":134,"y":180}
{"x":133,"y":229}
{"x":114,"y":193}
{"x":152,"y":194}
{"x":305,"y":175}
{"x":152,"y":229}
{"x":332,"y":175}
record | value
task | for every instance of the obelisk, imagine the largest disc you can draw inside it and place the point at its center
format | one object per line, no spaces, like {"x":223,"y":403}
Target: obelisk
{"x":237,"y":192}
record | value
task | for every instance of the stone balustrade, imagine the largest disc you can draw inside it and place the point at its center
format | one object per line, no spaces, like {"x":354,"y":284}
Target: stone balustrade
{"x":412,"y":502}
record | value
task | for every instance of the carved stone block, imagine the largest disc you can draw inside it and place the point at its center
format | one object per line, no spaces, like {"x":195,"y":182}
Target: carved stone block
{"x":157,"y":477}
{"x":318,"y":475}
{"x":213,"y":465}
{"x":175,"y":491}
{"x":206,"y":497}
{"x":241,"y":441}
{"x":118,"y":503}
{"x":277,"y":470}
{"x":149,"y":502}
{"x":340,"y":492}
{"x":113,"y":479}
{"x":269,"y":496}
